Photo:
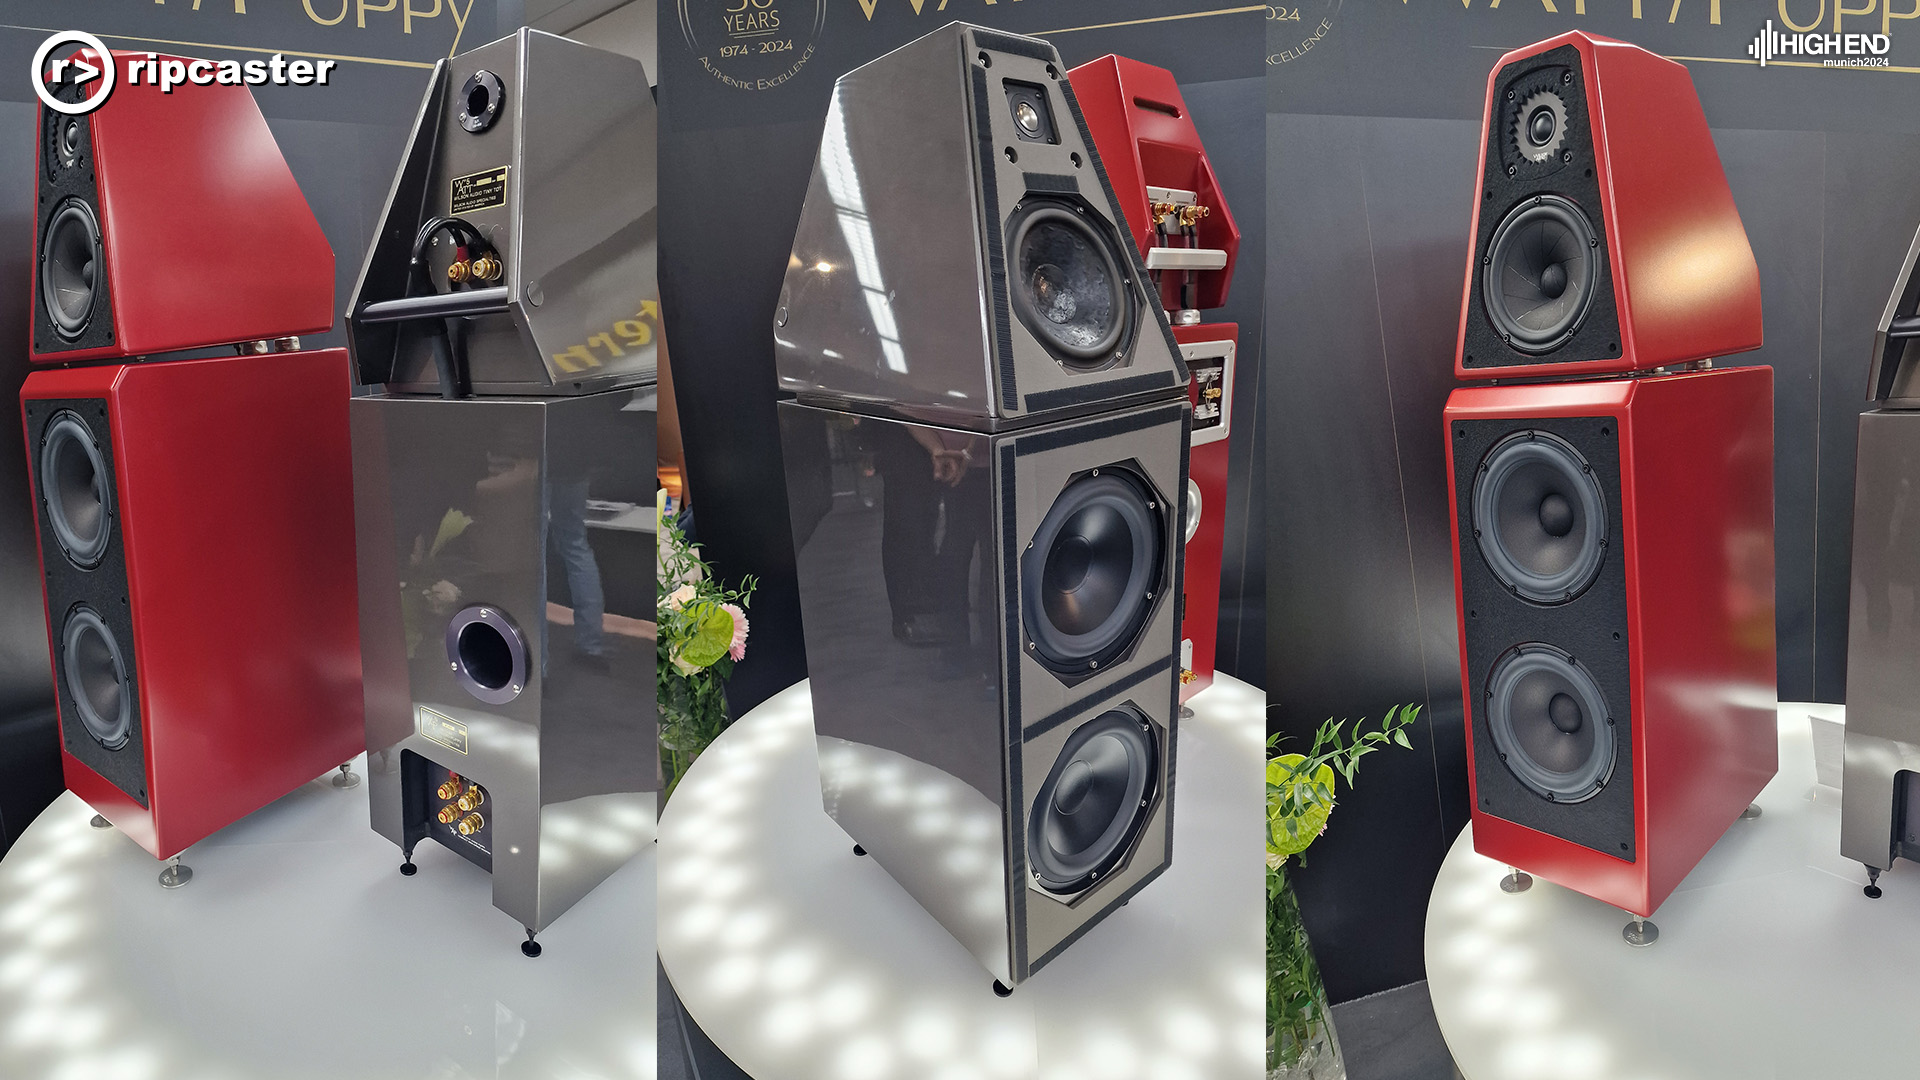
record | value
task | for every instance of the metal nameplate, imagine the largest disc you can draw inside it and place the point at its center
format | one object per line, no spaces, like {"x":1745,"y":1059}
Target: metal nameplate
{"x":479,"y":191}
{"x":440,"y":728}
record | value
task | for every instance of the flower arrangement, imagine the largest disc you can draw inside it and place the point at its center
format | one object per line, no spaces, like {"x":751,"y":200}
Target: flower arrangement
{"x":1300,"y":798}
{"x":701,"y":635}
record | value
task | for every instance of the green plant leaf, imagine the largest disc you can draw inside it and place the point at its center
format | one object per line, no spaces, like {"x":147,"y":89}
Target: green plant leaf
{"x":452,"y":524}
{"x":712,"y":635}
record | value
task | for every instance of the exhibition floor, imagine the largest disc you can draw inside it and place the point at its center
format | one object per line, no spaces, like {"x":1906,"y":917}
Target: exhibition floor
{"x":299,"y":951}
{"x":802,"y":960}
{"x":1770,"y":961}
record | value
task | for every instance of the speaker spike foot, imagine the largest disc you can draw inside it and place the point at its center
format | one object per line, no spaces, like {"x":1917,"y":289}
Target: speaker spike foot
{"x":100,"y":822}
{"x":1873,"y":888}
{"x":858,"y":850}
{"x":1515,"y":881}
{"x":175,"y":875}
{"x":1186,"y":713}
{"x":530,"y":948}
{"x":1001,"y":989}
{"x":1640,"y":933}
{"x":1752,"y":811}
{"x":348,"y":779}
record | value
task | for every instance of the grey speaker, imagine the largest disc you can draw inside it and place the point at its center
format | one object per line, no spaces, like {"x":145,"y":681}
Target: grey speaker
{"x":961,"y":258}
{"x":1880,"y":800}
{"x":516,"y":250}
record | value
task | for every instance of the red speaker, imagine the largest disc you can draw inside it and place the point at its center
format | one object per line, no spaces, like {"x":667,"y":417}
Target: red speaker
{"x":1604,"y":237}
{"x":1178,"y":217}
{"x":195,"y":526}
{"x":1613,"y":551}
{"x":169,"y":221}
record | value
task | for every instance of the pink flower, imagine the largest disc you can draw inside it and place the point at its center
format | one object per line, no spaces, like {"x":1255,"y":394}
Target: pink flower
{"x":739,"y":647}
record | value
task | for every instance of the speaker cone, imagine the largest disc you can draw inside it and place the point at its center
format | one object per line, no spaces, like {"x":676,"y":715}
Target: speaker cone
{"x":96,"y":678}
{"x":1539,"y":517}
{"x":69,"y":264}
{"x":1094,"y":801}
{"x":76,"y":489}
{"x":1550,"y":723}
{"x":1087,"y":579}
{"x":1067,"y":285}
{"x":1540,"y":273}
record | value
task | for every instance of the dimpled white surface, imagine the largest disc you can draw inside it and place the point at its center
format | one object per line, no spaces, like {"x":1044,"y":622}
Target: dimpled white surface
{"x":1770,"y":962}
{"x":299,"y":951}
{"x":803,"y":961}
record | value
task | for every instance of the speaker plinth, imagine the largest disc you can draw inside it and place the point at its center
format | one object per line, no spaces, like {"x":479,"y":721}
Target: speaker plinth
{"x":1540,"y":517}
{"x":1551,"y":723}
{"x":1089,"y":576}
{"x":1093,"y":802}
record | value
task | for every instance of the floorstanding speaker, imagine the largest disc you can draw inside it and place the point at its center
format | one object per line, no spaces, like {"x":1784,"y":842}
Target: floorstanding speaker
{"x":503,"y":474}
{"x":1880,"y":801}
{"x":1605,"y":239}
{"x":1177,"y":217}
{"x":195,"y":523}
{"x":1613,"y":545}
{"x":168,"y":220}
{"x":992,"y":409}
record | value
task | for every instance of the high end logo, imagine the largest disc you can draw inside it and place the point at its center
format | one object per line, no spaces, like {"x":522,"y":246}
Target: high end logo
{"x":1834,"y":50}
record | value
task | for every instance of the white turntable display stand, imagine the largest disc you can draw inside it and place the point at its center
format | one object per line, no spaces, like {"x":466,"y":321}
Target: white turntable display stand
{"x":804,"y":961}
{"x":299,"y":952}
{"x":1770,"y":961}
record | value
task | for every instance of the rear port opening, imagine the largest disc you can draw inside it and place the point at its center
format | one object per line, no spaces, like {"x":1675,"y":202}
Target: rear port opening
{"x":486,"y":656}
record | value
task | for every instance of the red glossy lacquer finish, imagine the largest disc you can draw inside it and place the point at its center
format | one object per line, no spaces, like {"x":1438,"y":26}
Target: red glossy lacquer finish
{"x":1207,"y":468}
{"x":1684,"y":279}
{"x":1696,"y":457}
{"x":1145,"y":137}
{"x":235,"y":507}
{"x":207,"y":237}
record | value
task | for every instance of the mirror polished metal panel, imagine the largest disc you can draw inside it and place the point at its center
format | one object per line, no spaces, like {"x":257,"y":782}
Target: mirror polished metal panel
{"x":1894,"y":376}
{"x":563,"y":182}
{"x":934,"y":725}
{"x":903,"y":290}
{"x":1883,"y":637}
{"x":537,"y":512}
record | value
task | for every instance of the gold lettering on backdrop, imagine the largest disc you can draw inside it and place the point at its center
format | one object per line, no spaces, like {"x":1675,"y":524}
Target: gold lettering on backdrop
{"x":1887,"y":15}
{"x":335,"y":21}
{"x":239,"y":6}
{"x":1797,"y":27}
{"x":362,"y":7}
{"x":408,"y":12}
{"x":868,"y":7}
{"x":1840,"y":8}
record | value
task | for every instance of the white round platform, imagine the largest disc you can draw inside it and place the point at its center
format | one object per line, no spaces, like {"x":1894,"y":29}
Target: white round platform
{"x":803,"y":961}
{"x":1770,"y":961}
{"x":298,"y":951}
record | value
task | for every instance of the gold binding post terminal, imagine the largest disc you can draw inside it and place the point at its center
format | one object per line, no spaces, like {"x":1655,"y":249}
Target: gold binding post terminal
{"x":450,"y":790}
{"x":486,"y":268}
{"x":1191,"y":215}
{"x":1164,"y":210}
{"x":471,"y":800}
{"x":458,"y":271}
{"x":447,"y":814}
{"x":471,"y":824}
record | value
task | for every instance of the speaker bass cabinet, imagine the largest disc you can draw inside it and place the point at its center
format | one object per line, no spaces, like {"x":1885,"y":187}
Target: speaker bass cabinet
{"x":1613,"y":545}
{"x":1880,"y":800}
{"x":169,"y":221}
{"x":1605,"y":239}
{"x":195,"y":520}
{"x":990,"y":627}
{"x":961,"y":258}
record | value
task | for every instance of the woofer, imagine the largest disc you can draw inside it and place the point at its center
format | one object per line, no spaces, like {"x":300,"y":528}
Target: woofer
{"x":487,"y":654}
{"x":1540,"y":517}
{"x":1094,"y":801}
{"x":69,"y":262}
{"x":76,"y":489}
{"x":1067,"y":284}
{"x":1550,"y":723}
{"x":1540,"y":273}
{"x":95,"y":672}
{"x":1089,"y":576}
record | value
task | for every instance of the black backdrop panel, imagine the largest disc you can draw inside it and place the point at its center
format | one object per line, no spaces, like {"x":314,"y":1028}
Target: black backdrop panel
{"x":1372,"y":150}
{"x":734,"y":163}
